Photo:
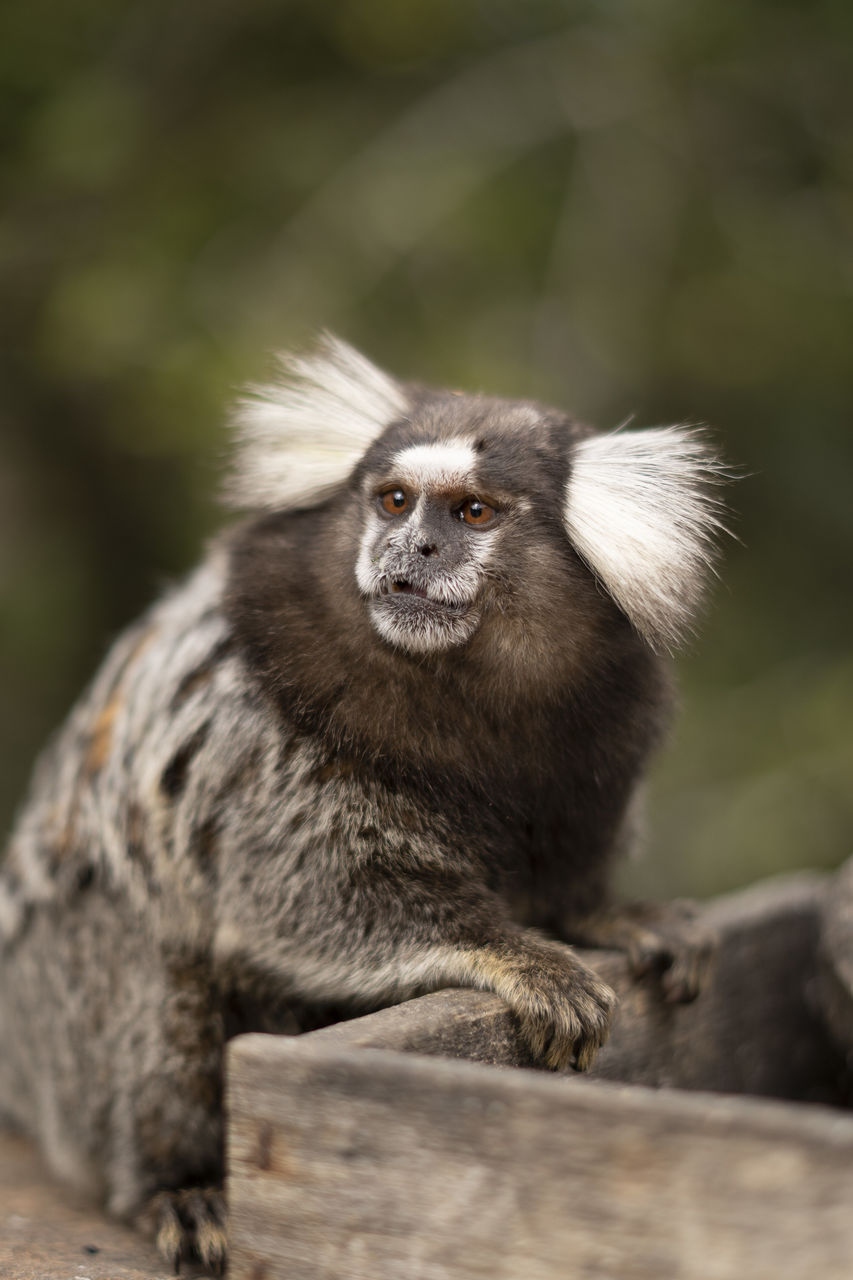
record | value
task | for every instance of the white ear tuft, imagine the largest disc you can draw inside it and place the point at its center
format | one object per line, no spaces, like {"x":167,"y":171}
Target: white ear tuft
{"x":301,"y":436}
{"x":640,"y":511}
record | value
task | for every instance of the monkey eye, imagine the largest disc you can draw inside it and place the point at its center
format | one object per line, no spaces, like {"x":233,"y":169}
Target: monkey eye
{"x":394,"y":501}
{"x":475,"y":512}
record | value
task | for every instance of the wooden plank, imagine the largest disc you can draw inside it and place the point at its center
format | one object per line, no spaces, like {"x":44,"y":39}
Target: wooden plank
{"x":834,"y":987}
{"x":753,"y":1030}
{"x":49,"y":1233}
{"x":364,"y":1164}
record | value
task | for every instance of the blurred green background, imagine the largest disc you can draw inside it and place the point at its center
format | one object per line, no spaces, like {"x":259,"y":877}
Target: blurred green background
{"x":630,"y":209}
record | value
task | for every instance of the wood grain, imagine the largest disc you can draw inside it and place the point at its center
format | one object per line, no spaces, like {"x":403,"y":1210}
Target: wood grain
{"x":364,"y":1164}
{"x":354,"y":1156}
{"x":49,"y":1233}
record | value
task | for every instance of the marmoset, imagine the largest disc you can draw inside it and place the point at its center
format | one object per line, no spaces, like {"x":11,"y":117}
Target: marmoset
{"x":386,"y":739}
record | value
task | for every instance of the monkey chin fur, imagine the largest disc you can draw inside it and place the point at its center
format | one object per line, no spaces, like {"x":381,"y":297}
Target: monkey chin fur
{"x":422,"y":626}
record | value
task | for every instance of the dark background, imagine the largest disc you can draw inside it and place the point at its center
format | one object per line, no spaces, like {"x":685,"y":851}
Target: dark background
{"x":631,"y":209}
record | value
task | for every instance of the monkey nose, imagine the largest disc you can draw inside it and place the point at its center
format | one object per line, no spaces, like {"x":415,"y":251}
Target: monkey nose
{"x":427,"y":548}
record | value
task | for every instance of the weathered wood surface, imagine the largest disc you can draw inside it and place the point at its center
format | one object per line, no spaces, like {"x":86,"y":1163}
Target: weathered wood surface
{"x":353,"y":1162}
{"x":361,"y":1164}
{"x":835,"y":983}
{"x":753,"y":1030}
{"x":48,"y":1233}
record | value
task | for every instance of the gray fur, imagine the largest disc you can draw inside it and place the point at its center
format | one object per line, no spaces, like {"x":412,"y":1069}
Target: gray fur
{"x":359,"y":755}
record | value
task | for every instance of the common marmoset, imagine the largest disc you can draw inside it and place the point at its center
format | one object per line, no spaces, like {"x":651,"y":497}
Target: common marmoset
{"x":384,"y":740}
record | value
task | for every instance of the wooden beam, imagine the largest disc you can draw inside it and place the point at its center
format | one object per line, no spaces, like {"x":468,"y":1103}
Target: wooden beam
{"x":363,"y":1164}
{"x":834,"y":988}
{"x":352,"y":1160}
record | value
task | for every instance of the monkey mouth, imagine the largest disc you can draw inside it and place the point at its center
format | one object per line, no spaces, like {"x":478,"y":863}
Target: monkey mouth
{"x":403,"y":590}
{"x":421,"y":621}
{"x":401,"y":587}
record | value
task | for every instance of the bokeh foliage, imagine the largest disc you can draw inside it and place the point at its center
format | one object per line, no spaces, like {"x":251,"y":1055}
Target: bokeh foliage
{"x":632,"y":209}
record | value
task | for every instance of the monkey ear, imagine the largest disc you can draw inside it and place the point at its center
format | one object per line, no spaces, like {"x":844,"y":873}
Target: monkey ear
{"x":641,"y":511}
{"x":299,"y":437}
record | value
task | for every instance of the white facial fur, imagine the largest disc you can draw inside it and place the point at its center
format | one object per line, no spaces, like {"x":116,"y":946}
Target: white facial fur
{"x":301,"y":436}
{"x":447,"y":465}
{"x":639,"y":511}
{"x":390,"y":551}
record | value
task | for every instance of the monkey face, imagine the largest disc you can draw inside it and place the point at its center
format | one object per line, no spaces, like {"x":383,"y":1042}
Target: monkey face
{"x":482,"y":520}
{"x":454,"y":541}
{"x":429,"y":535}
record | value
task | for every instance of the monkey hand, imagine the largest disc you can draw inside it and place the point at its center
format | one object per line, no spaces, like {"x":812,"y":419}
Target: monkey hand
{"x":563,"y":1007}
{"x":667,"y":937}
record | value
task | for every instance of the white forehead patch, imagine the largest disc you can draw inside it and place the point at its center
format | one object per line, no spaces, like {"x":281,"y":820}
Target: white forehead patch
{"x":448,"y":464}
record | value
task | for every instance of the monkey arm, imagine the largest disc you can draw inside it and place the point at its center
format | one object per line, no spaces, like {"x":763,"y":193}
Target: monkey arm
{"x":383,"y":939}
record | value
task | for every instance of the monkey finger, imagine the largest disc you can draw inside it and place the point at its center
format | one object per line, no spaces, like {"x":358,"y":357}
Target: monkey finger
{"x":684,"y":978}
